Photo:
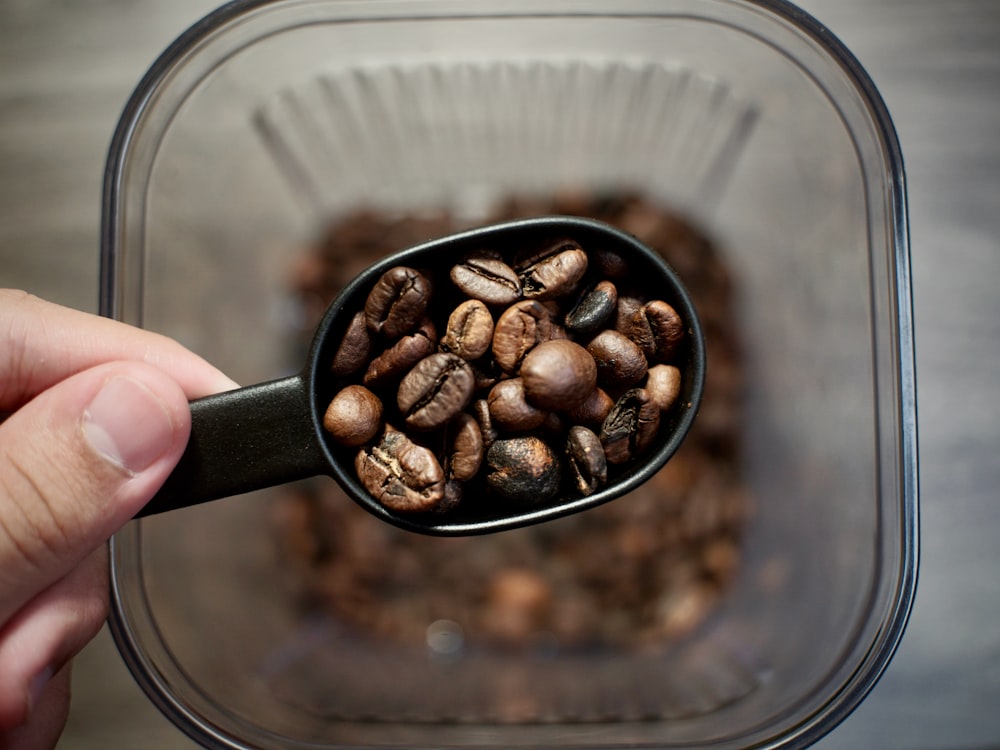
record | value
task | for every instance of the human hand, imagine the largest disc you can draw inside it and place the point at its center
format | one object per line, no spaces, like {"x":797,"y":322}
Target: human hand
{"x":96,"y":418}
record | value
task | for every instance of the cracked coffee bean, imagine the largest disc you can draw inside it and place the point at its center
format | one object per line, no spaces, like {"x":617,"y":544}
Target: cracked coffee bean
{"x":400,"y":474}
{"x":630,"y":427}
{"x":552,"y":271}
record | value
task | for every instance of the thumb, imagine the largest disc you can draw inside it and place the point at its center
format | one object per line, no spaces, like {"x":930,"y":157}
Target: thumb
{"x":76,"y":463}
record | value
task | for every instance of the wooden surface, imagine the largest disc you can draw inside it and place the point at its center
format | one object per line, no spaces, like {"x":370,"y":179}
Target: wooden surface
{"x":66,"y":69}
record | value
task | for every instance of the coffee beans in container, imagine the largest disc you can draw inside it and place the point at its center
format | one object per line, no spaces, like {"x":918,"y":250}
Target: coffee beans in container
{"x":509,"y":375}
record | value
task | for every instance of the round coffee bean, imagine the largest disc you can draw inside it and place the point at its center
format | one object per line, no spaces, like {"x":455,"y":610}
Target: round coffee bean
{"x":553,"y":271}
{"x":354,"y":416}
{"x":487,"y":278}
{"x":392,"y":364}
{"x":523,"y":470}
{"x":435,"y":390}
{"x":630,"y":427}
{"x":594,"y":308}
{"x":593,"y":410}
{"x":401,"y":475}
{"x":664,"y":385}
{"x":558,"y":375}
{"x":520,"y":328}
{"x":355,"y":348}
{"x":469,"y":332}
{"x":620,"y":361}
{"x":397,"y":302}
{"x":585,"y":459}
{"x":510,"y":411}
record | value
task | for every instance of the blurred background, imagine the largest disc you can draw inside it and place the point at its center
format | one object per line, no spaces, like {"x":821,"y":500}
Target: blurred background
{"x":67,"y":68}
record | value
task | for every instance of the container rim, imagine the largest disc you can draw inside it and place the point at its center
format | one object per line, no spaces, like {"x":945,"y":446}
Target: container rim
{"x":868,"y":672}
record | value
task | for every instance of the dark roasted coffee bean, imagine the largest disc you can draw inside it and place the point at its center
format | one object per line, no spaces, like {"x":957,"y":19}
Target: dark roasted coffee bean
{"x":609,"y":264}
{"x":657,"y":329}
{"x":620,"y":361}
{"x":464,"y":448}
{"x":627,"y":306}
{"x":354,"y":416}
{"x":593,"y":310}
{"x":664,"y":385}
{"x":392,"y":364}
{"x":558,"y":375}
{"x":552,"y":271}
{"x":435,"y":390}
{"x":397,"y":302}
{"x":520,"y":328}
{"x":487,"y":278}
{"x":355,"y":348}
{"x":469,"y":332}
{"x":593,"y":410}
{"x":510,"y":411}
{"x":399,"y":474}
{"x":523,"y":470}
{"x":630,"y":427}
{"x":585,"y":459}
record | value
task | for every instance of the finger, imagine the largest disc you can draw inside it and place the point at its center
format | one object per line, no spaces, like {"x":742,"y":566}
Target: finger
{"x":76,"y":463}
{"x":47,"y":633}
{"x":47,"y":721}
{"x":42,"y":343}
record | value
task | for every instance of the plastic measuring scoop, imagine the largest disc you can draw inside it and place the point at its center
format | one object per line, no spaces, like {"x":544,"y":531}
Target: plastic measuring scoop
{"x":271,"y":433}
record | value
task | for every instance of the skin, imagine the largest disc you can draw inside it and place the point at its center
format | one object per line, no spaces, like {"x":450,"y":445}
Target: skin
{"x":93,"y":417}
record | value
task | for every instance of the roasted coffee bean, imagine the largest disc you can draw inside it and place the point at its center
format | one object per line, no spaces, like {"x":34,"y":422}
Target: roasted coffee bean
{"x":469,"y":332}
{"x":435,"y":390}
{"x":593,"y":310}
{"x":558,"y":375}
{"x":620,"y":361}
{"x":552,"y":271}
{"x":608,"y":264}
{"x":510,"y":411}
{"x":397,"y":302}
{"x":593,"y":410}
{"x":520,"y":328}
{"x":657,"y":329}
{"x":630,"y":427}
{"x":464,"y":449}
{"x":481,"y":412}
{"x":392,"y":364}
{"x":354,"y":416}
{"x":487,"y":278}
{"x":401,"y":475}
{"x":627,"y":307}
{"x":523,"y":470}
{"x":586,"y":461}
{"x":355,"y":348}
{"x":664,"y":385}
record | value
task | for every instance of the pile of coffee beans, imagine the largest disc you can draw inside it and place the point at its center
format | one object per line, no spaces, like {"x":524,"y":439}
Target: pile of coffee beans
{"x":519,"y":373}
{"x":640,"y":573}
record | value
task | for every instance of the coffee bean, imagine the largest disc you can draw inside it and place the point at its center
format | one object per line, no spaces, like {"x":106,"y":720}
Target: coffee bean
{"x":664,"y":385}
{"x":594,"y":308}
{"x":355,"y":347}
{"x":401,"y":475}
{"x":630,"y":427}
{"x":558,"y":375}
{"x":587,"y":464}
{"x":593,"y":410}
{"x":354,"y":416}
{"x":509,"y":410}
{"x":392,"y":364}
{"x":469,"y":332}
{"x":481,"y":413}
{"x":435,"y":390}
{"x":620,"y":361}
{"x":397,"y":302}
{"x":520,"y":328}
{"x":552,"y":271}
{"x":488,"y":279}
{"x":657,"y":329}
{"x":523,"y":470}
{"x":464,"y":449}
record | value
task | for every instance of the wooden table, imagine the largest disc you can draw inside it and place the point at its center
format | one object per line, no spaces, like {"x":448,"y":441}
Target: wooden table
{"x":67,"y":68}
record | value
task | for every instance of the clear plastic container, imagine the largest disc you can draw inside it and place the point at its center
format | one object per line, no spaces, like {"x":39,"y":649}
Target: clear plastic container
{"x":267,"y":119}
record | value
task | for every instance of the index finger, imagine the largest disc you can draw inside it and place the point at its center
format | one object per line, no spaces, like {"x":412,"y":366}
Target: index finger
{"x":42,"y":343}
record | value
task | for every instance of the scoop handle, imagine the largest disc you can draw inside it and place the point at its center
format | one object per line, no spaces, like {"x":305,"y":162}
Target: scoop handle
{"x":243,"y":440}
